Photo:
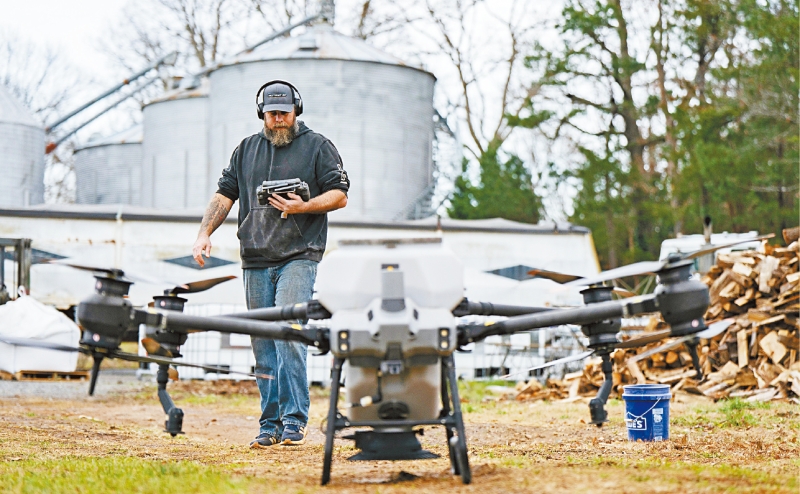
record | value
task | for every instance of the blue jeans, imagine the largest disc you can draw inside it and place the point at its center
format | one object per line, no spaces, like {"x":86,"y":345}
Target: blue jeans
{"x":284,"y":399}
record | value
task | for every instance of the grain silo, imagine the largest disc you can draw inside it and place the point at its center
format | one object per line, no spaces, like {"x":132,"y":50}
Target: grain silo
{"x":21,"y":154}
{"x":376,"y":110}
{"x":175,"y":170}
{"x":108,"y":170}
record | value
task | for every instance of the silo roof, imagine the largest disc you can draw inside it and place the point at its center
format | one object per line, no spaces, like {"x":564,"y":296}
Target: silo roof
{"x":14,"y":112}
{"x":133,"y":135}
{"x":319,"y":42}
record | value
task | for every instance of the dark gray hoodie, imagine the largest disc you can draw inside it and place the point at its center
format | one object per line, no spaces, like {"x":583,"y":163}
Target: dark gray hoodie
{"x":266,"y":239}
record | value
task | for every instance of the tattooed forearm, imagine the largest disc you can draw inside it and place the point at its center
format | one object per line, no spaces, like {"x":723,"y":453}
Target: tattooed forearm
{"x":216,"y":212}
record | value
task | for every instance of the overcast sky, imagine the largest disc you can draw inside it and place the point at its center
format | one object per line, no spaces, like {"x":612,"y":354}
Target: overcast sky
{"x":75,"y":26}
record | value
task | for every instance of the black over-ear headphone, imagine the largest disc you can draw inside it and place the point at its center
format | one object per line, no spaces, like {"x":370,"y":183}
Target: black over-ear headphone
{"x":297,"y":100}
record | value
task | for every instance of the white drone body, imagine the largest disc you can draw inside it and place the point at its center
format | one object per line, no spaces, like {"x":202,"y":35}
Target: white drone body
{"x":391,"y":303}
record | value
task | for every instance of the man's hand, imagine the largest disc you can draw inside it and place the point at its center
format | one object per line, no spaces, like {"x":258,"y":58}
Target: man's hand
{"x":293,"y":205}
{"x":201,"y":246}
{"x":323,"y":203}
{"x":215,"y":214}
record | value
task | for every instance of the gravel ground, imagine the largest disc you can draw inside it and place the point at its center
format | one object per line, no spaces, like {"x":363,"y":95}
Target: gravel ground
{"x":110,"y":382}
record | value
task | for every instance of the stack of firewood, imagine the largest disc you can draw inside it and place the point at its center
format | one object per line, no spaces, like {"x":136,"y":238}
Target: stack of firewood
{"x":755,"y":359}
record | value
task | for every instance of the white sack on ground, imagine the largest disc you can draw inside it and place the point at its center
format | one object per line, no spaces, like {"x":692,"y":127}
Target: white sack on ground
{"x":28,"y":318}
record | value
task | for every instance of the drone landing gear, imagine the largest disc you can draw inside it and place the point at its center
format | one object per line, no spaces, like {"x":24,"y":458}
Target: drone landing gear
{"x":597,"y":405}
{"x":691,"y":345}
{"x":456,"y":435}
{"x":97,"y":359}
{"x":174,"y":422}
{"x":400,"y":444}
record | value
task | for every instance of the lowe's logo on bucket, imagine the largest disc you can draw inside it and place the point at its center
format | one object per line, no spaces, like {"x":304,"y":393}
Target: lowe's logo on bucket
{"x":635,"y":423}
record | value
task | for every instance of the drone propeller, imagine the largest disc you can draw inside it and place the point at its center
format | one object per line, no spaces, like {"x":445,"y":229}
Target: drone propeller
{"x":111,"y":272}
{"x":168,"y":361}
{"x":713,"y":330}
{"x":99,"y":356}
{"x":635,"y":269}
{"x":566,"y":279}
{"x":30,"y":342}
{"x":654,"y":267}
{"x":198,"y":286}
{"x":114,"y":273}
{"x":154,"y":348}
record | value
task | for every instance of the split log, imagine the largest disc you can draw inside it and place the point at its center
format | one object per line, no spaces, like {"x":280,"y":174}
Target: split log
{"x":742,"y":348}
{"x":774,"y":349}
{"x":791,"y":234}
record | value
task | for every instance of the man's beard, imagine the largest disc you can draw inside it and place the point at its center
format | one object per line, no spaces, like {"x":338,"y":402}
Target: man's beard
{"x":282,"y":136}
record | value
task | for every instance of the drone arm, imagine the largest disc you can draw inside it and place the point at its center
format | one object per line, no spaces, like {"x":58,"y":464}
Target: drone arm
{"x":307,"y":310}
{"x":471,"y":308}
{"x":581,"y":315}
{"x":179,"y":322}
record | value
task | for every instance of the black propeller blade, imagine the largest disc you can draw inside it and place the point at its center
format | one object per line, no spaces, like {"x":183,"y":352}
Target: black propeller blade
{"x":110,"y":272}
{"x":168,"y":361}
{"x":98,"y":357}
{"x":566,"y":279}
{"x":113,"y":273}
{"x":30,"y":342}
{"x":193,"y":287}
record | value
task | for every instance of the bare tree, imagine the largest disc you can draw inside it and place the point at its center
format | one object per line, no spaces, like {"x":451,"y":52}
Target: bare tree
{"x":39,"y":76}
{"x":482,"y":43}
{"x":200,"y":30}
{"x":277,"y":14}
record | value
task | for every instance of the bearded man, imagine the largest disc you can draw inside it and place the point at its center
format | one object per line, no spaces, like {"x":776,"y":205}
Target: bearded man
{"x":279,"y":255}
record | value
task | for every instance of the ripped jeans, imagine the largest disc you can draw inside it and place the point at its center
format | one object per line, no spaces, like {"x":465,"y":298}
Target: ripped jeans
{"x":284,"y":399}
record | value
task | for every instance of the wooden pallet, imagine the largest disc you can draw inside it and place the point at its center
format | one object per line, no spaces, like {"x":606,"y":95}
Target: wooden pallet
{"x":36,"y":375}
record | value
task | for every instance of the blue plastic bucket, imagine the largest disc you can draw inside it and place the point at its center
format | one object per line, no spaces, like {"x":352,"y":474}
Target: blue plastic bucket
{"x":647,"y":411}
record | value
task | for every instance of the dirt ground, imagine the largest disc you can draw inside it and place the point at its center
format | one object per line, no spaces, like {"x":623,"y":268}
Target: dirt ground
{"x":513,"y":446}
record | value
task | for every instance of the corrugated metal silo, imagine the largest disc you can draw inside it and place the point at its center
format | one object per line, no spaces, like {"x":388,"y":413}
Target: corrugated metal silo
{"x":21,"y":154}
{"x":108,"y":170}
{"x":376,"y":110}
{"x":175,"y":166}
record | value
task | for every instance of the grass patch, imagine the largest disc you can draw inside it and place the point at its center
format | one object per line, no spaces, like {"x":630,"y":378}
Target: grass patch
{"x":473,"y":394}
{"x":116,"y":474}
{"x":737,"y":412}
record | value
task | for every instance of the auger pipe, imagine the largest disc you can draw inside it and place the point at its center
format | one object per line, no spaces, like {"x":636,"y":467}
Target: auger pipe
{"x":168,"y":60}
{"x":581,"y":315}
{"x":103,"y":112}
{"x":471,"y":308}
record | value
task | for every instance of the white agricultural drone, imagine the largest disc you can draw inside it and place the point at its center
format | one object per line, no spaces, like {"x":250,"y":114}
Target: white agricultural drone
{"x":391,"y":308}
